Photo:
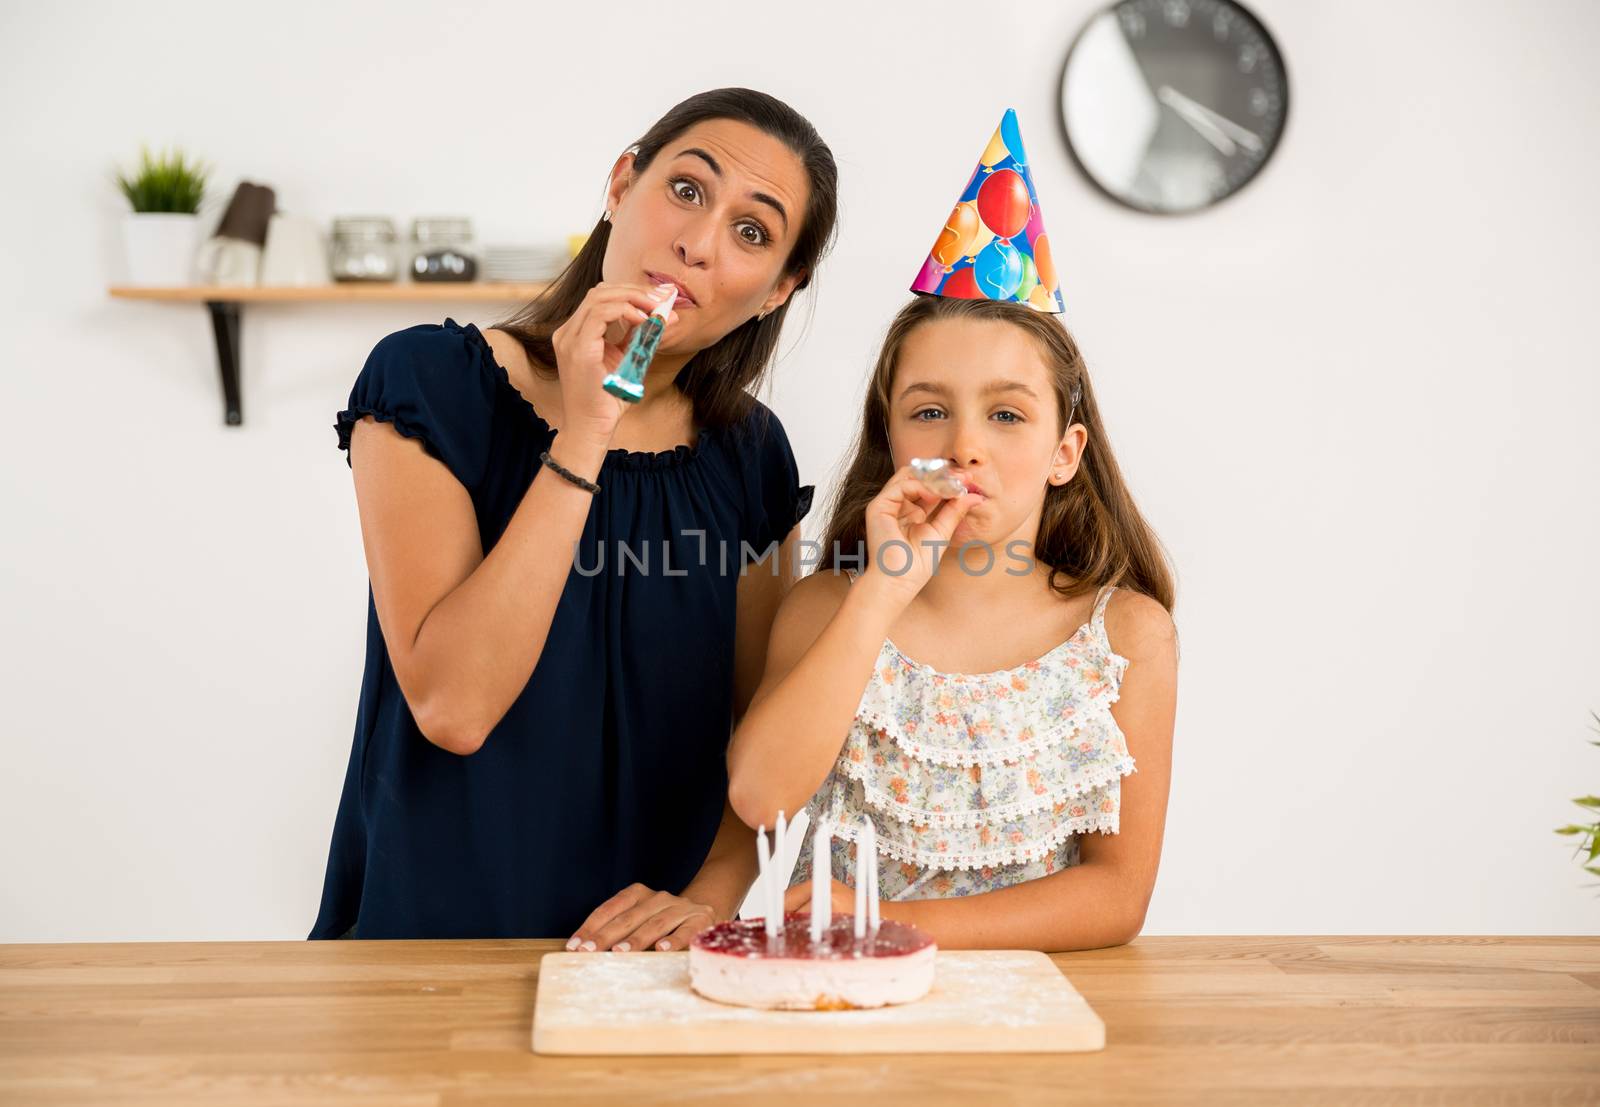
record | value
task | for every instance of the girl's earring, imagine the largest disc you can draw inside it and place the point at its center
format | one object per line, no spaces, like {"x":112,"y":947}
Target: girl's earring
{"x":606,"y":218}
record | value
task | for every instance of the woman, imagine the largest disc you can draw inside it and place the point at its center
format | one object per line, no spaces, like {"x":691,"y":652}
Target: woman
{"x":561,"y":630}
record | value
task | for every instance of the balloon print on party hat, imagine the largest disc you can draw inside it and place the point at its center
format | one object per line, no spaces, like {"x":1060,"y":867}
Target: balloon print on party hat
{"x":994,"y":246}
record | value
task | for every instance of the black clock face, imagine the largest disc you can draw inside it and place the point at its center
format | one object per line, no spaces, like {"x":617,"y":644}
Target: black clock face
{"x":1172,"y":105}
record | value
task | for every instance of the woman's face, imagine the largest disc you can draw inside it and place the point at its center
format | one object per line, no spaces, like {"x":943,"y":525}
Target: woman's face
{"x":716,"y":213}
{"x":978,"y":394}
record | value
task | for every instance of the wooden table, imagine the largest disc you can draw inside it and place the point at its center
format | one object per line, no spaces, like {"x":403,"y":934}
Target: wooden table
{"x":1346,"y":1020}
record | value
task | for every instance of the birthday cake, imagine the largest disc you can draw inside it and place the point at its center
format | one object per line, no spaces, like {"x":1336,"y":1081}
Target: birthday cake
{"x":738,"y":963}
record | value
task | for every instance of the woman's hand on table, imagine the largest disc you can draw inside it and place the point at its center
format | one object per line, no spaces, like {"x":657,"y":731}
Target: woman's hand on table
{"x":640,"y":918}
{"x":798,"y":898}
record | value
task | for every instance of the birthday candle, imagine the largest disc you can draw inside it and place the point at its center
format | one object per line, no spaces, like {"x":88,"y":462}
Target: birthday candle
{"x":821,"y":881}
{"x":861,"y":882}
{"x":872,"y":877}
{"x":764,"y":880}
{"x":780,"y":871}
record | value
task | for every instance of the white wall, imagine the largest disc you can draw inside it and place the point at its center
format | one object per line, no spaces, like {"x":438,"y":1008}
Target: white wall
{"x":1358,"y":401}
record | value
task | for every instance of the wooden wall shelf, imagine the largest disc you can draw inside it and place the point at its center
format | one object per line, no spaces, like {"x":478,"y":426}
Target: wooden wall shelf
{"x":225,"y":304}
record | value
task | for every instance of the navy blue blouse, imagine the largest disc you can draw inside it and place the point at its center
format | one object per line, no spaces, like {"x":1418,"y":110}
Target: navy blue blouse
{"x":609,"y":767}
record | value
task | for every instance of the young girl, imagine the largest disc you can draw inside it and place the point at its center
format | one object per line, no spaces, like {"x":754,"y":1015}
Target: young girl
{"x":993,"y":782}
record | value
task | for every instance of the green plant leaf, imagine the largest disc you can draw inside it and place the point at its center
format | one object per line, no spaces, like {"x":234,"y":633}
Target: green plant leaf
{"x":1588,"y":835}
{"x":170,"y":183}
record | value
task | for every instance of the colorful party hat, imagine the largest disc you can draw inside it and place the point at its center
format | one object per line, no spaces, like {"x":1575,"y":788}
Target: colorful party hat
{"x":993,"y":246}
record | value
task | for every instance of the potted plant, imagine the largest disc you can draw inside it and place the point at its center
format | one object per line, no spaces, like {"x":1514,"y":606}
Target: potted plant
{"x":162,"y":232}
{"x":1588,"y":834}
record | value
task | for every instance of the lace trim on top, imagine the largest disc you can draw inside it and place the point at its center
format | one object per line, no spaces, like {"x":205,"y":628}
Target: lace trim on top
{"x":974,"y":770}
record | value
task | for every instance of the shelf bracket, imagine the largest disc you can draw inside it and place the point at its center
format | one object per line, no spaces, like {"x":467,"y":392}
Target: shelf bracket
{"x":225,"y":322}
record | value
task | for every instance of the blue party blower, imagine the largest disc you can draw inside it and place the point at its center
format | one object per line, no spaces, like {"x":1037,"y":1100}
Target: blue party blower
{"x":627,"y":382}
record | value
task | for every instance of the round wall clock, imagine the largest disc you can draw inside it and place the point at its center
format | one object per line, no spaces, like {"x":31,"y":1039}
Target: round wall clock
{"x":1173,"y":105}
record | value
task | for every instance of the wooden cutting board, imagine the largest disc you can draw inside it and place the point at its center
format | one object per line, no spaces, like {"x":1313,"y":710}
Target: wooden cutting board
{"x":990,"y":1001}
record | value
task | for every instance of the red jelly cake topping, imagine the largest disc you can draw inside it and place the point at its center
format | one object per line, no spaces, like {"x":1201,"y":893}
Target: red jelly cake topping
{"x":748,"y":938}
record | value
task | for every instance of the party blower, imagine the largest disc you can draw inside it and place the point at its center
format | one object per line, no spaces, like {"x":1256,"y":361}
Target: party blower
{"x":627,"y":382}
{"x":935,"y":473}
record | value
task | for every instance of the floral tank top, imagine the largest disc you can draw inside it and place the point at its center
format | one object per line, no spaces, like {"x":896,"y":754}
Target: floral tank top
{"x":977,"y":782}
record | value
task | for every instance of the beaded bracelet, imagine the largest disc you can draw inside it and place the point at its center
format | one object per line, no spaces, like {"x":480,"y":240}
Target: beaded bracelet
{"x":567,"y":474}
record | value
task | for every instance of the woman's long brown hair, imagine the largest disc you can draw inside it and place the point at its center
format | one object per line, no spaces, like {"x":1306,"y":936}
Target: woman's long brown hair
{"x":718,"y":379}
{"x":1090,"y":532}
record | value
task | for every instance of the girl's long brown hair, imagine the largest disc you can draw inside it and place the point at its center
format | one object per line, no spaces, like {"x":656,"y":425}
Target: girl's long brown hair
{"x":1090,"y":533}
{"x":718,"y":379}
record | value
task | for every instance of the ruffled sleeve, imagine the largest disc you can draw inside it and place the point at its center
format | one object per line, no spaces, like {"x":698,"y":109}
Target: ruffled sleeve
{"x":430,"y":383}
{"x":777,"y":499}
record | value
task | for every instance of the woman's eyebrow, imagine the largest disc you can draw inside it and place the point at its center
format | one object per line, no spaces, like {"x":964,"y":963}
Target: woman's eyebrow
{"x":716,"y":171}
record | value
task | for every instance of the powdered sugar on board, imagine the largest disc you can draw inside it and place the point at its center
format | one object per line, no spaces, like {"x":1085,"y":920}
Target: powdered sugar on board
{"x":982,"y":1001}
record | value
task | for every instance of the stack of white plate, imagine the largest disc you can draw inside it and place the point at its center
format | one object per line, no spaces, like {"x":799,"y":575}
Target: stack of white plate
{"x":523,"y":263}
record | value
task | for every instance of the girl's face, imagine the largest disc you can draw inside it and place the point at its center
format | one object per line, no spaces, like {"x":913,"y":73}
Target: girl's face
{"x":978,"y":394}
{"x":716,"y":213}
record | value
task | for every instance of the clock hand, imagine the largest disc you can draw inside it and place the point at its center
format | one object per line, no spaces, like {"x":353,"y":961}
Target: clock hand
{"x":1243,"y":135}
{"x":1206,"y":129}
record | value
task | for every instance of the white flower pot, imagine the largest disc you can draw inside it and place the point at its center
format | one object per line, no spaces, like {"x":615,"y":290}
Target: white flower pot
{"x":160,"y":247}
